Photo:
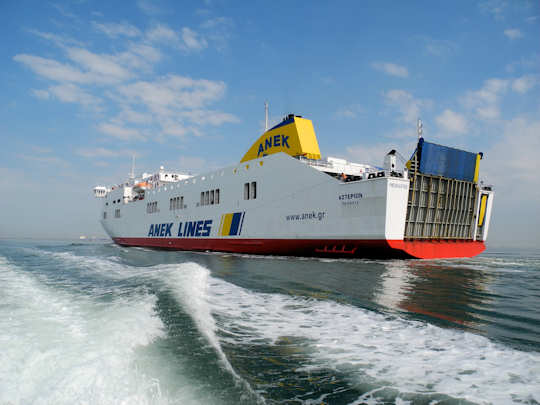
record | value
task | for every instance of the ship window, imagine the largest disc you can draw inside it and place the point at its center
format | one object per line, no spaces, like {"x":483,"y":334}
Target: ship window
{"x":211,"y":196}
{"x":151,"y":207}
{"x":117,"y":213}
{"x":216,"y":196}
{"x":246,"y":191}
{"x":253,"y":190}
{"x":207,"y":198}
{"x":202,"y":198}
{"x":182,"y":202}
{"x":104,"y":215}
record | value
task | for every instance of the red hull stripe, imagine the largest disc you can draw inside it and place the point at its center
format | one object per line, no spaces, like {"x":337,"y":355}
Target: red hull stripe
{"x":421,"y":249}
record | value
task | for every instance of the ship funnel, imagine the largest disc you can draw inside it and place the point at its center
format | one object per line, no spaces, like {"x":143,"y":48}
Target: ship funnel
{"x":294,"y":135}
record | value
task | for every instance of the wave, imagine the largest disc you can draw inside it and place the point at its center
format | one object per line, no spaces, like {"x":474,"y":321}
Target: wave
{"x":386,"y":351}
{"x":64,"y":348}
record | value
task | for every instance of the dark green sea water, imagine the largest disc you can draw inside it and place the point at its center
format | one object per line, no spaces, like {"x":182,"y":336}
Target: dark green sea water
{"x":94,"y":323}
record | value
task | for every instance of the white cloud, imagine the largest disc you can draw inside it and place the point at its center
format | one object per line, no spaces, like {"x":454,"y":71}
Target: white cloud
{"x":488,"y":112}
{"x":162,"y":33}
{"x":450,"y":121}
{"x":52,"y":69}
{"x":192,"y":40}
{"x":91,"y":153}
{"x":46,"y":160}
{"x":187,"y":40}
{"x":119,"y":132}
{"x":351,"y":111}
{"x":440,"y":47}
{"x":115,"y":30}
{"x":171,"y":93}
{"x":148,"y":7}
{"x":391,"y":69}
{"x":103,"y":66}
{"x":485,"y":101}
{"x":96,"y":152}
{"x":70,"y":93}
{"x":513,"y":33}
{"x":494,"y":7}
{"x":59,"y":40}
{"x":408,"y":105}
{"x":524,"y":83}
{"x":209,"y":117}
{"x":41,"y":94}
{"x":374,"y":154}
{"x":510,"y":163}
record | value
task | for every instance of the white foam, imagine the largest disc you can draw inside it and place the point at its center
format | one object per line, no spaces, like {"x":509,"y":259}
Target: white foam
{"x":64,"y":348}
{"x":190,"y":282}
{"x":409,"y":356}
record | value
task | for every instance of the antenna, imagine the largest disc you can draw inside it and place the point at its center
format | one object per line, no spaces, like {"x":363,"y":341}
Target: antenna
{"x":132,"y":174}
{"x":419,"y":128}
{"x":265,"y":116}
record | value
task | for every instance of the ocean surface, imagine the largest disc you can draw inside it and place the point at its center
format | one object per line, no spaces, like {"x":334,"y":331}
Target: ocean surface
{"x":95,"y":323}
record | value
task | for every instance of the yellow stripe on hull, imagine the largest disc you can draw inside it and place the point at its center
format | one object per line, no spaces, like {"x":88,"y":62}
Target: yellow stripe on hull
{"x":483,"y":203}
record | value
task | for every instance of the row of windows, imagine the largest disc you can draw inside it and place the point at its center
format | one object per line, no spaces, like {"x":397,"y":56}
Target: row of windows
{"x":177,"y":203}
{"x":250,"y":190}
{"x":151,"y":207}
{"x":210,"y":197}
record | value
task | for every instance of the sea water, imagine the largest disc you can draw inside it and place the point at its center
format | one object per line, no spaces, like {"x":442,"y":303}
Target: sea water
{"x":95,"y":323}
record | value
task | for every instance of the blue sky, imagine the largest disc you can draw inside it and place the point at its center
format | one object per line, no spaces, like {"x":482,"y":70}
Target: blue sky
{"x":86,"y":84}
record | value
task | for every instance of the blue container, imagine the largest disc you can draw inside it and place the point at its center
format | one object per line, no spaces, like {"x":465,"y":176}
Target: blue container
{"x":448,"y":162}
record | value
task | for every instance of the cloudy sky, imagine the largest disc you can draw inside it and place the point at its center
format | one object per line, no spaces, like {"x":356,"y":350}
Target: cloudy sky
{"x":87,"y":84}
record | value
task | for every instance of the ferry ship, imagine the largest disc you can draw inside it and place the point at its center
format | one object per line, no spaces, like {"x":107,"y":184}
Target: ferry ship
{"x":283,"y":198}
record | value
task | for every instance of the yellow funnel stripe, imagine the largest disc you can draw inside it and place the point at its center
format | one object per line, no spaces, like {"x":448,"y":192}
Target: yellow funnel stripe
{"x":483,"y":203}
{"x":294,"y":136}
{"x":477,"y":168}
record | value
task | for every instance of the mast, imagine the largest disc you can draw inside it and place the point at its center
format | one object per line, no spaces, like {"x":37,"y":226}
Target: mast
{"x":265,"y":116}
{"x":419,"y":128}
{"x":132,"y":174}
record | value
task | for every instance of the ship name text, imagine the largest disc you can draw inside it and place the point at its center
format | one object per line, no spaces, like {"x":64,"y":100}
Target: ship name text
{"x":273,"y":141}
{"x":185,"y":229}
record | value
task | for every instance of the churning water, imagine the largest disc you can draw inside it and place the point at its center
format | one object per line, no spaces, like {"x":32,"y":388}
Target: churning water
{"x":95,"y":323}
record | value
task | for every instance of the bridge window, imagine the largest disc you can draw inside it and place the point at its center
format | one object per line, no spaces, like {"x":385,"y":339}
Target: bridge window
{"x":216,"y":196}
{"x":246,"y":191}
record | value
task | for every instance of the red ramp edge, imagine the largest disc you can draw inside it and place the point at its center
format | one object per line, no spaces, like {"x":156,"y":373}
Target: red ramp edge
{"x":438,"y":249}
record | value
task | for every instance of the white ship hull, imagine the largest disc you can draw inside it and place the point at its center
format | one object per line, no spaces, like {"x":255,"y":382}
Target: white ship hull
{"x":298,"y":210}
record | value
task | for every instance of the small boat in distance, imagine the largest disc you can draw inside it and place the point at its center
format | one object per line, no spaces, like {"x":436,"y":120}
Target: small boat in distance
{"x":283,"y":198}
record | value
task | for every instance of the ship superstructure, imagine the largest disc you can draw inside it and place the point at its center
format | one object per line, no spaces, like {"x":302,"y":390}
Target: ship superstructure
{"x":282,"y":198}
